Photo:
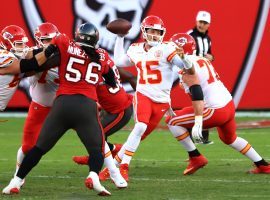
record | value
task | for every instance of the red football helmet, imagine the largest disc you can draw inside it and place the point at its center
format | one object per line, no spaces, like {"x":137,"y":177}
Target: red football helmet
{"x":44,"y":33}
{"x":152,"y":22}
{"x":185,"y":41}
{"x":14,"y":39}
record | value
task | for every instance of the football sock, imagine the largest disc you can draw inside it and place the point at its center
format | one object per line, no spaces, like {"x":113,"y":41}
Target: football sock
{"x":20,"y":157}
{"x":119,"y":156}
{"x":194,"y":153}
{"x":246,"y":149}
{"x":108,"y":160}
{"x":31,"y":160}
{"x":133,"y":142}
{"x":261,"y":162}
{"x":182,"y":135}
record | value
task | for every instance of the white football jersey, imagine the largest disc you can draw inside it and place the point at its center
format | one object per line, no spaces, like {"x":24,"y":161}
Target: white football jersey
{"x":43,"y":87}
{"x":154,"y":69}
{"x":215,"y":93}
{"x":8,"y":83}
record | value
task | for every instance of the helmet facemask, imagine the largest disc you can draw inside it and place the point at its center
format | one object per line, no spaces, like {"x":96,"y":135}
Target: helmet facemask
{"x":153,"y":39}
{"x":19,"y":47}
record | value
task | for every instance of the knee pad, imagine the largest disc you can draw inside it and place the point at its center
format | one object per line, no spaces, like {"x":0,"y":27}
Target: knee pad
{"x":177,"y":130}
{"x":140,"y":128}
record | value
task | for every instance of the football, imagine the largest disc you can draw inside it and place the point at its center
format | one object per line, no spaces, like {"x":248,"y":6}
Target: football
{"x":119,"y":26}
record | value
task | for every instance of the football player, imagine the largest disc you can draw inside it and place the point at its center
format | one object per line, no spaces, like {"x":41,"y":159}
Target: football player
{"x":13,"y":46}
{"x":219,"y":112}
{"x":75,"y":105}
{"x":43,"y":87}
{"x":154,"y":62}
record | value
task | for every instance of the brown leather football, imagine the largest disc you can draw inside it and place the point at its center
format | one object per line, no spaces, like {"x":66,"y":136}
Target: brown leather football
{"x":119,"y":26}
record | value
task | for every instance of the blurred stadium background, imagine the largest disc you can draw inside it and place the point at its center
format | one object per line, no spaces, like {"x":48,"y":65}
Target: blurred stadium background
{"x":240,"y":42}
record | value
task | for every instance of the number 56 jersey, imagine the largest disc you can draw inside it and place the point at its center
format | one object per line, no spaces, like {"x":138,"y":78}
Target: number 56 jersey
{"x":154,"y":70}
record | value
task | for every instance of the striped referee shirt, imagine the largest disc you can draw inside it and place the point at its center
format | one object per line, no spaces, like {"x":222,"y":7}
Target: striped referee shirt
{"x":203,"y":42}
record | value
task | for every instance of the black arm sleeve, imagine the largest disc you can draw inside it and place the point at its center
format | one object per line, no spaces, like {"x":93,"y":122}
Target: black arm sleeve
{"x":196,"y":93}
{"x":110,"y":78}
{"x":36,"y":51}
{"x":29,"y":65}
{"x":53,"y":61}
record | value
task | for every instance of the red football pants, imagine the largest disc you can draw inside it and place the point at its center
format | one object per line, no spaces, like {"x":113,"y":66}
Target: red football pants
{"x":33,"y":124}
{"x":222,"y":118}
{"x":148,"y":112}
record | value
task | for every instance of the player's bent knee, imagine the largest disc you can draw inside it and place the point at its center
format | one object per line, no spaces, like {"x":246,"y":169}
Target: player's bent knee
{"x":140,"y":128}
{"x":228,"y":140}
{"x":177,"y":130}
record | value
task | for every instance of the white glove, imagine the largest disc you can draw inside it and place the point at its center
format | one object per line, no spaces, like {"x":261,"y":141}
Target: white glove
{"x":187,"y":62}
{"x":197,"y":130}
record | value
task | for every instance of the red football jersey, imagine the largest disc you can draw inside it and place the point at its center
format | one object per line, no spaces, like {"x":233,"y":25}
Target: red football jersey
{"x":77,"y":73}
{"x":113,"y":100}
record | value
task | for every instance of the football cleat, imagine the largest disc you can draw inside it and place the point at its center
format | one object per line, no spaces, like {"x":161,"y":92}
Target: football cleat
{"x":92,"y":182}
{"x":118,"y":180}
{"x":124,"y":171}
{"x":116,"y":149}
{"x":13,"y":187}
{"x":81,"y":160}
{"x":262,"y":169}
{"x":104,"y":174}
{"x":195,"y":163}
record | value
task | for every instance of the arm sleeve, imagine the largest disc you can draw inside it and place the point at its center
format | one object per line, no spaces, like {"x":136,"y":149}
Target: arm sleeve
{"x":121,"y":59}
{"x":52,"y":62}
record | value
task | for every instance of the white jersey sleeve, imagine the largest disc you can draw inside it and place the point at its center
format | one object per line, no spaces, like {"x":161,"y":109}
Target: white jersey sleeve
{"x":216,"y":95}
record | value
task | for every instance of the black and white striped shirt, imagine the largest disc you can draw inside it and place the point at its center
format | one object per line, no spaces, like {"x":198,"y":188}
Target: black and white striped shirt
{"x":203,"y":42}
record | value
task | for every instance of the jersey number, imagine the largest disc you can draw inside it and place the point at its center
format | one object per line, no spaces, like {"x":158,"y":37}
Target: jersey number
{"x":118,"y":82}
{"x":74,"y":75}
{"x":148,"y":75}
{"x":213,"y":75}
{"x":42,"y":79}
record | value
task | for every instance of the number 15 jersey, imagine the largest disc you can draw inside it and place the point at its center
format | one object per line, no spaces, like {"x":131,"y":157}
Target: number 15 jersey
{"x":154,"y":70}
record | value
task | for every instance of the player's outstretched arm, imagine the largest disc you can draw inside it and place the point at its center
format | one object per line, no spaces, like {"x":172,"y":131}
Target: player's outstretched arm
{"x":121,"y":59}
{"x":28,"y":65}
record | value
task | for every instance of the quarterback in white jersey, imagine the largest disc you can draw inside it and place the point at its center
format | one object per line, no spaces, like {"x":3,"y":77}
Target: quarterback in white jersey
{"x":154,"y":62}
{"x":219,"y":112}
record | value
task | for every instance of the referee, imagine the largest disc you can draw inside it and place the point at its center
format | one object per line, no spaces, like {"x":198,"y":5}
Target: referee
{"x":200,"y":34}
{"x":203,"y":47}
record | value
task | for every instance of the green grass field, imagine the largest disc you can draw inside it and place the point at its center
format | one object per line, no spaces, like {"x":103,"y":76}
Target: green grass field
{"x":155,"y":172}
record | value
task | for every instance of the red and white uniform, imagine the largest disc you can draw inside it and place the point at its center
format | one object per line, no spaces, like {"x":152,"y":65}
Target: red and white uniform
{"x":43,"y":87}
{"x":219,"y":108}
{"x":154,"y":70}
{"x":113,"y":100}
{"x":8,"y":83}
{"x":154,"y":82}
